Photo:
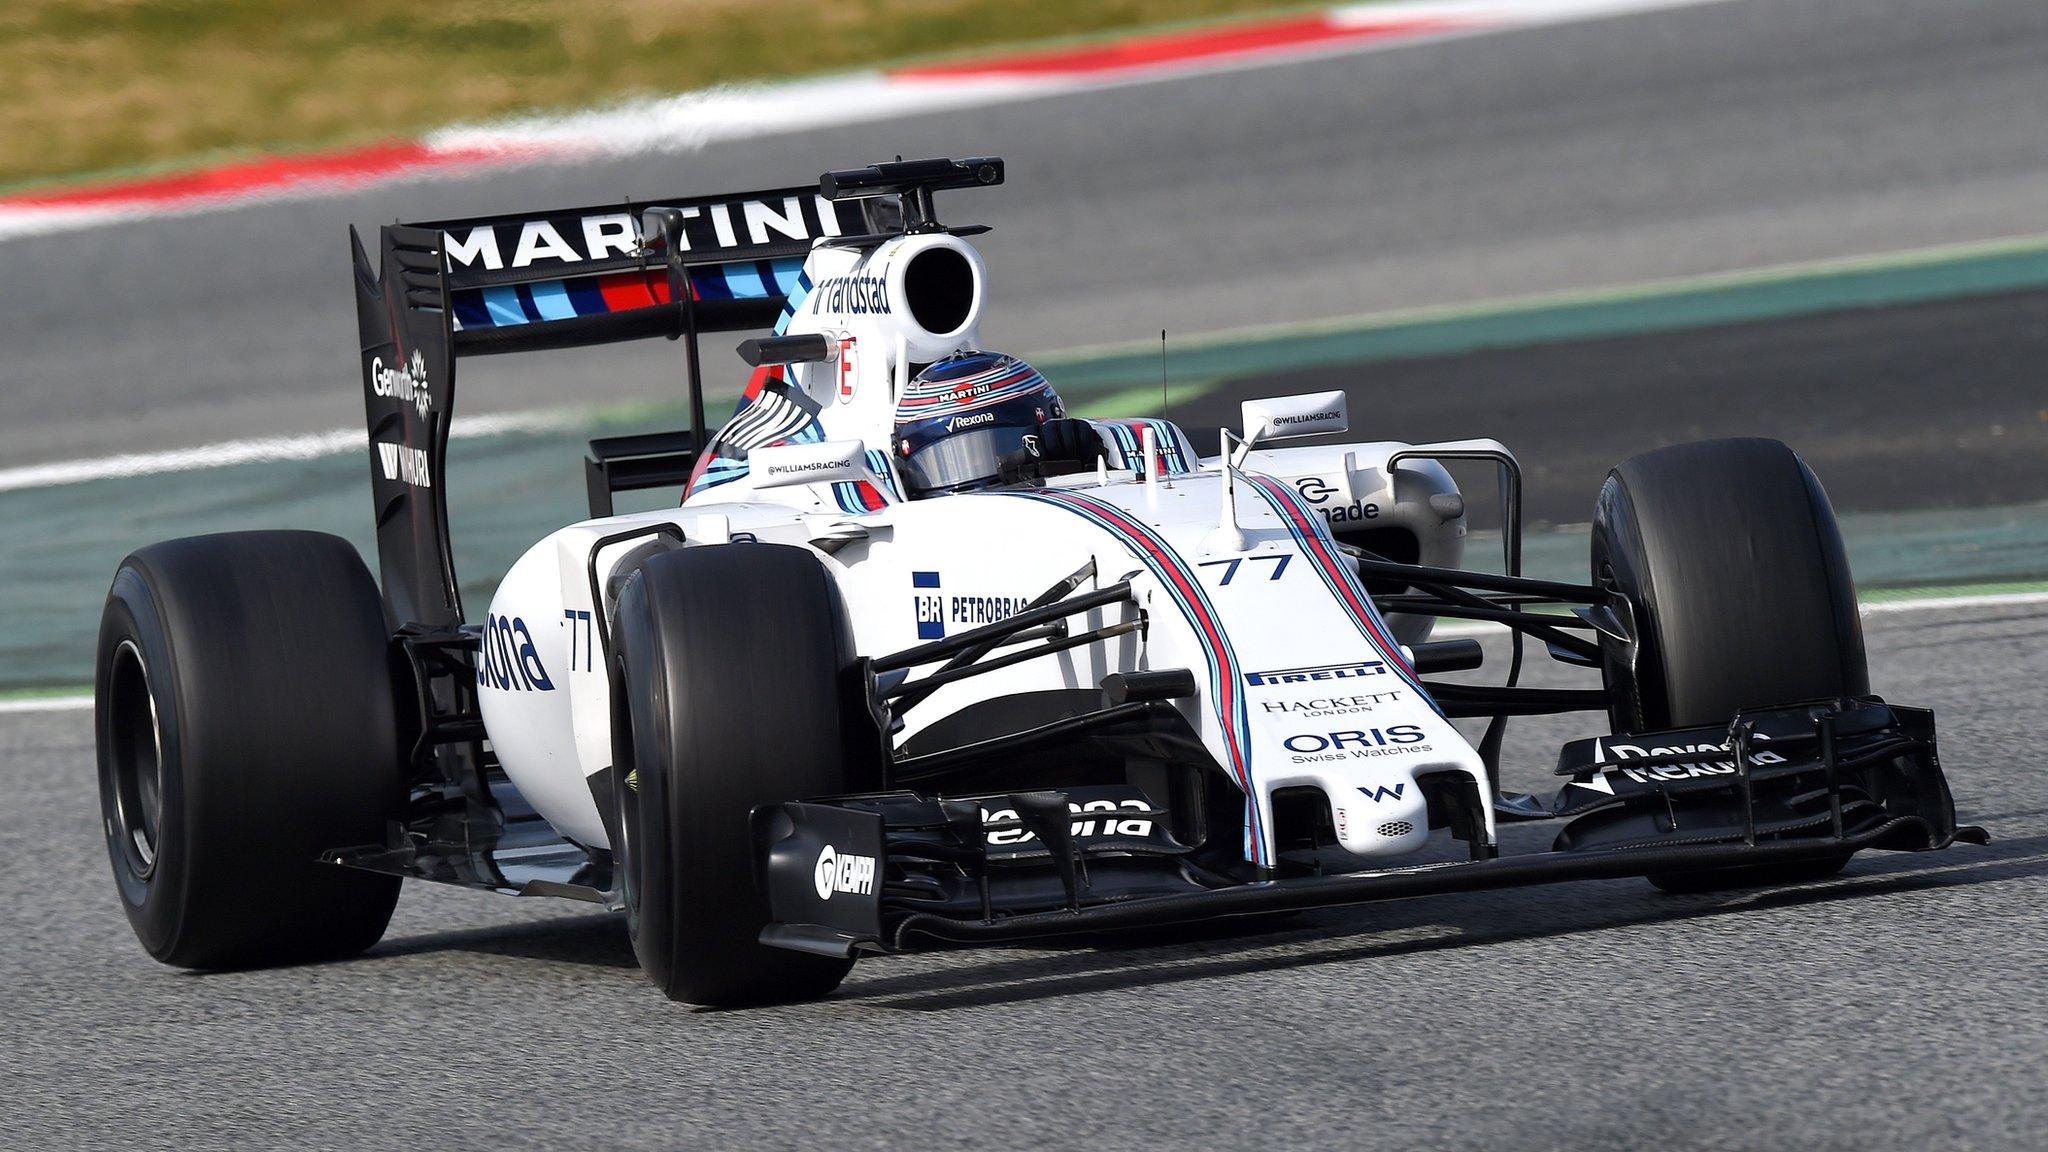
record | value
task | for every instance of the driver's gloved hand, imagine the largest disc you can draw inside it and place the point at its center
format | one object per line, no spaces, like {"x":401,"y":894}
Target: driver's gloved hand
{"x":1068,"y":446}
{"x":1056,"y":449}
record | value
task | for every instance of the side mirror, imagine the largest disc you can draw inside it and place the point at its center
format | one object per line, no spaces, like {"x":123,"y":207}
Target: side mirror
{"x":1285,"y":417}
{"x":788,"y":465}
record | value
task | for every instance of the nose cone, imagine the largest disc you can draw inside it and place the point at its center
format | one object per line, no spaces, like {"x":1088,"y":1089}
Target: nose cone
{"x":1380,"y":820}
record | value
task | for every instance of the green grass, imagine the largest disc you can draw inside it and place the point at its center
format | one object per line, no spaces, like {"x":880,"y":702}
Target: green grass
{"x":104,"y":86}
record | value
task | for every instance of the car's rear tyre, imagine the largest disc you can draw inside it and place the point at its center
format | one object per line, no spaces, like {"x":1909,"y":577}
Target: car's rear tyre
{"x":730,"y":661}
{"x":1729,"y":555}
{"x":246,"y":724}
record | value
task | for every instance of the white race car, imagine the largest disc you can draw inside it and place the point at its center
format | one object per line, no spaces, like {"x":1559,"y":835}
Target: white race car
{"x":921,"y":658}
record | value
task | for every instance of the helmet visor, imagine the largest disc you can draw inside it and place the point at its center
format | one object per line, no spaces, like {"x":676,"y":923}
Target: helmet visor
{"x":973,"y":457}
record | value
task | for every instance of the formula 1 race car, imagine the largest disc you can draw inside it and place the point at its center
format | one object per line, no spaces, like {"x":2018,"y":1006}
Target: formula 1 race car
{"x":920,"y":659}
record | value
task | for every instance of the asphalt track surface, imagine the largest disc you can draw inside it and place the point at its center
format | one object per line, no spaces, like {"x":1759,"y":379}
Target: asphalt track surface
{"x":1902,"y":1005}
{"x":1939,"y":404}
{"x":1666,"y":143}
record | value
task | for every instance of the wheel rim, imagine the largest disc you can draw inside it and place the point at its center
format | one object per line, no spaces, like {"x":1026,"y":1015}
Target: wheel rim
{"x":1624,"y":710}
{"x":624,"y":858}
{"x":137,"y":759}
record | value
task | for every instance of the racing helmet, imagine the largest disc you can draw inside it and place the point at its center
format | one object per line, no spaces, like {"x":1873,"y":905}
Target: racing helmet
{"x":964,"y":416}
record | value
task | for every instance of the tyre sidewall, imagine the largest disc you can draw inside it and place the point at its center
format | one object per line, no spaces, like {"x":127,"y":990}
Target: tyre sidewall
{"x":1637,"y":690}
{"x":734,"y":699}
{"x":639,"y":790}
{"x":267,"y":662}
{"x":152,"y":905}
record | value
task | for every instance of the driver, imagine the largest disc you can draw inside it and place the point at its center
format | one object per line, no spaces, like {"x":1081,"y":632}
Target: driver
{"x":979,"y":418}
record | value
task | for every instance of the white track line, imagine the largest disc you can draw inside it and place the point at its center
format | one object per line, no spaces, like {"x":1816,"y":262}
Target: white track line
{"x":46,"y":704}
{"x":1479,"y":629}
{"x":1930,"y":603}
{"x":690,"y":120}
{"x":309,"y":446}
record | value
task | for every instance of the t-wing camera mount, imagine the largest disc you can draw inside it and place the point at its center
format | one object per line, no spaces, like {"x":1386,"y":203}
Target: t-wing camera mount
{"x":914,"y":181}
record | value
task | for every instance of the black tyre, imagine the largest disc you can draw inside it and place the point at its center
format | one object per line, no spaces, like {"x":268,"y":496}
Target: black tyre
{"x":245,"y":725}
{"x":1731,"y":560}
{"x":730,"y":663}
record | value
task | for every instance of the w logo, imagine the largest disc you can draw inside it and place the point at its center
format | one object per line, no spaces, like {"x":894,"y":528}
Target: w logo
{"x":1383,"y":793}
{"x":403,"y":463}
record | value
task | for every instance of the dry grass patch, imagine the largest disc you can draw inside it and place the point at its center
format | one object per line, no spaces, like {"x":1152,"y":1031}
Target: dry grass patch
{"x":91,"y":85}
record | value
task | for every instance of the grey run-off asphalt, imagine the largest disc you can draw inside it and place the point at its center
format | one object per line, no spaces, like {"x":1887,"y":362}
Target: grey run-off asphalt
{"x":1726,"y":136}
{"x":1657,"y":144}
{"x":1904,"y":1005}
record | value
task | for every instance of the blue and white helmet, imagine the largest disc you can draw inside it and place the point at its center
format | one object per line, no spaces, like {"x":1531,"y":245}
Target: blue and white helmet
{"x":962,"y":416}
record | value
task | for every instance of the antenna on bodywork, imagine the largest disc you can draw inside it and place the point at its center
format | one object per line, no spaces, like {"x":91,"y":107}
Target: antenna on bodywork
{"x":1227,"y":536}
{"x":1162,"y":375}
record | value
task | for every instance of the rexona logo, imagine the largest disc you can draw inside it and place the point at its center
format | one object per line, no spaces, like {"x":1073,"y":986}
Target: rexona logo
{"x":844,"y":872}
{"x":1095,"y":818}
{"x":403,"y":463}
{"x":407,"y":385}
{"x":959,"y":422}
{"x":507,"y":659}
{"x":1354,"y":671}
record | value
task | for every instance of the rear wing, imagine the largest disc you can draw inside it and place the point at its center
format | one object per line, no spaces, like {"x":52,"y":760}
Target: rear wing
{"x":441,"y":290}
{"x":583,"y":276}
{"x":445,"y":289}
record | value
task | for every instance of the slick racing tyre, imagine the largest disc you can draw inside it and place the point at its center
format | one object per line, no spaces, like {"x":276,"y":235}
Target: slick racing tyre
{"x":730,"y":661}
{"x":1729,"y":556}
{"x":246,"y":724}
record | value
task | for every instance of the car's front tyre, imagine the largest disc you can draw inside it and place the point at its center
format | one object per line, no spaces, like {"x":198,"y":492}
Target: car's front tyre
{"x":730,"y":661}
{"x":1729,"y":556}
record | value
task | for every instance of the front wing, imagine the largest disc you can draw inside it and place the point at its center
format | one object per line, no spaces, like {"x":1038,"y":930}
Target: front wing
{"x":895,"y":871}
